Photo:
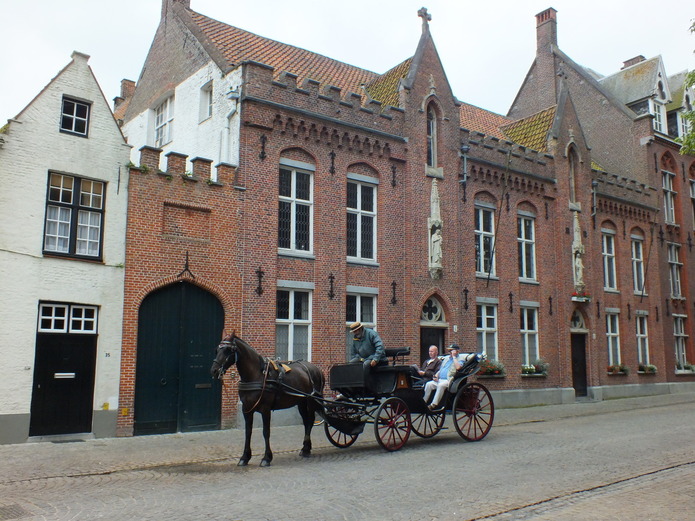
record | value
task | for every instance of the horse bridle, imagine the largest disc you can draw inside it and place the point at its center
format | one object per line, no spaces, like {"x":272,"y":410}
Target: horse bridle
{"x":233,"y":348}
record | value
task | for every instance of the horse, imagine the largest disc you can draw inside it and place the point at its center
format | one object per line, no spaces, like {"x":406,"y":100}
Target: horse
{"x":266,"y":386}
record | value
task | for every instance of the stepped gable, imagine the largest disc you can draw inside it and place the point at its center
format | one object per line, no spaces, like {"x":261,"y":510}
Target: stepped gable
{"x":481,"y":120}
{"x":237,"y":46}
{"x":532,"y":132}
{"x":385,"y":88}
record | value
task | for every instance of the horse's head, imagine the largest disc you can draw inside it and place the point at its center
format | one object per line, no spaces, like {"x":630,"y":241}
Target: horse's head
{"x":225,"y":357}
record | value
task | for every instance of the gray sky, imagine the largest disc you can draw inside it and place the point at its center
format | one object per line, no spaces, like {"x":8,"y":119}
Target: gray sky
{"x":486,"y":47}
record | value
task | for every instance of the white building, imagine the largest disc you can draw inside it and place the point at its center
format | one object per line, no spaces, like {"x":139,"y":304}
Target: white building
{"x":62,"y":252}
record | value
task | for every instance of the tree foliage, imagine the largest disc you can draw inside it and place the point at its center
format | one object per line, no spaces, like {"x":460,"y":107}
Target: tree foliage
{"x":688,"y":141}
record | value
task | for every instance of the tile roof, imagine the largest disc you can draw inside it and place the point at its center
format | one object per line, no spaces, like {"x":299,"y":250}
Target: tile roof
{"x":532,"y":132}
{"x":385,"y":87}
{"x":481,"y":120}
{"x":238,"y":45}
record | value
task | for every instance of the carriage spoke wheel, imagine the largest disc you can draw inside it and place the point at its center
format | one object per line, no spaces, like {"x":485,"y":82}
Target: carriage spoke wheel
{"x":392,"y":424}
{"x":339,"y":438}
{"x":428,"y":424}
{"x":473,"y":411}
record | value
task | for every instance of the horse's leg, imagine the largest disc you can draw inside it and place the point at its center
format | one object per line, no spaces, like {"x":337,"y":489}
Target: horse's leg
{"x":268,"y":456}
{"x":246,"y":455}
{"x":308,"y":417}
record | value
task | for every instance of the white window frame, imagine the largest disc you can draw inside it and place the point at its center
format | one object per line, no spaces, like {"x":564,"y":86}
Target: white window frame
{"x":680,"y":339}
{"x":658,"y":110}
{"x":637,"y":249}
{"x":674,"y":269}
{"x":529,"y":335}
{"x":527,"y":248}
{"x":362,"y":214}
{"x":296,"y":168}
{"x":206,"y":100}
{"x":642,"y":335}
{"x":667,"y":179}
{"x":164,"y":122}
{"x":610,"y":278}
{"x":68,"y":318}
{"x":71,"y":120}
{"x":292,"y":323}
{"x":486,"y":329}
{"x":482,"y":236}
{"x":613,"y":338}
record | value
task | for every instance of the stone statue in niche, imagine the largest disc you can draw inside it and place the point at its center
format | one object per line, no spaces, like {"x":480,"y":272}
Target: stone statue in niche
{"x":434,"y":229}
{"x":577,"y":253}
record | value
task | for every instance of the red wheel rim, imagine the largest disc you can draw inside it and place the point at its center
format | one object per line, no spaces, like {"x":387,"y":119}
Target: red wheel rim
{"x":427,"y":425}
{"x":473,"y":411}
{"x":339,"y":438}
{"x":392,"y":424}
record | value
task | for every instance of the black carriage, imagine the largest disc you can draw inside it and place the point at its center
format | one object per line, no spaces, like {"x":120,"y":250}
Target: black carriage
{"x":391,"y":398}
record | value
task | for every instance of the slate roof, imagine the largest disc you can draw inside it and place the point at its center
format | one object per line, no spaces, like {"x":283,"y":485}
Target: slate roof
{"x":237,"y":45}
{"x":676,"y":84}
{"x":532,"y":132}
{"x":634,"y":83}
{"x":481,"y":120}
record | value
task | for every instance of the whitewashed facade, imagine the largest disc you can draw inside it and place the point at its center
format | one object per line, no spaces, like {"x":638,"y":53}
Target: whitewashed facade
{"x":62,"y":253}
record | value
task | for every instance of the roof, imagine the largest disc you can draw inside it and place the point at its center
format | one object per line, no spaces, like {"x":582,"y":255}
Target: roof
{"x":385,"y":87}
{"x":676,"y":84}
{"x":634,"y":83}
{"x":532,"y":132}
{"x":237,"y":45}
{"x":481,"y":120}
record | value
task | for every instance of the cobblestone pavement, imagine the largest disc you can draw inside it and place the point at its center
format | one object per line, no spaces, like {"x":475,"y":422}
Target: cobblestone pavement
{"x":616,"y":460}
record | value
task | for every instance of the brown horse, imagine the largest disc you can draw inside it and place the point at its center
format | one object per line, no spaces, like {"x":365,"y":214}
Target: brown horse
{"x":267,"y":385}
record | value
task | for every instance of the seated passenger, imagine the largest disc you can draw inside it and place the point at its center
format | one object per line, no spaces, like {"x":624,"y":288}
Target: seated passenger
{"x":430,"y":367}
{"x":442,"y":379}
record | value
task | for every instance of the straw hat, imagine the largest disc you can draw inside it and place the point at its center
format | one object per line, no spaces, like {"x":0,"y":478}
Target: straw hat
{"x":355,"y":326}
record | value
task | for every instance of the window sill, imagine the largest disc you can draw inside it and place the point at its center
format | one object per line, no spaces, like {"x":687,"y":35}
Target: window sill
{"x":618,"y":373}
{"x":529,"y":281}
{"x":645,"y":372}
{"x":611,"y":290}
{"x":640,"y":294}
{"x":362,"y":262}
{"x":490,"y":376}
{"x":481,"y":275}
{"x":683,"y":372}
{"x":534,"y":375}
{"x":296,"y":254}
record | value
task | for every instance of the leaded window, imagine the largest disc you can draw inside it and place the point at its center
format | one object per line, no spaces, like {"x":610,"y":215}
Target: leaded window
{"x":484,"y":241}
{"x":526,"y":240}
{"x":608,"y":252}
{"x":486,"y":329}
{"x":613,"y":338}
{"x":361,"y":220}
{"x":295,"y":210}
{"x":528,"y":327}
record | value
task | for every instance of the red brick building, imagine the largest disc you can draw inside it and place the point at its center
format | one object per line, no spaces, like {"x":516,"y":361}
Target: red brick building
{"x":299,"y":194}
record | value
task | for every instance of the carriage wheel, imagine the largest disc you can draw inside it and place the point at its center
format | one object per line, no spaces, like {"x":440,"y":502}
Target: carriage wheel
{"x":339,"y":438}
{"x":473,"y":411}
{"x":427,"y":425}
{"x":392,"y":424}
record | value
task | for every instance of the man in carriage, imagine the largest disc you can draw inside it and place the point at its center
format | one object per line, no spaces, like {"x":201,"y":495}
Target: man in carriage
{"x":367,"y":346}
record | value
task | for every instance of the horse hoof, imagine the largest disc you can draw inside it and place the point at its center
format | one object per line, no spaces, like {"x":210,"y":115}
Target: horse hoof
{"x":242,"y":463}
{"x":305,"y":453}
{"x":265,"y":463}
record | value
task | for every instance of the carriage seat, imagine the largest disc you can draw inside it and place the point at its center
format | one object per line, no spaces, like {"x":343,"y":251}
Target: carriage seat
{"x":397,"y":352}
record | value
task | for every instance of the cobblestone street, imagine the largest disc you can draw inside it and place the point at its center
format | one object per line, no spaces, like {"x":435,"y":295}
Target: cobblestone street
{"x":614,"y":460}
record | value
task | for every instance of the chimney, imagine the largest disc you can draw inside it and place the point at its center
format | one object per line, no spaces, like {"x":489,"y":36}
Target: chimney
{"x":633,"y":61}
{"x":127,"y":90}
{"x":546,"y":29}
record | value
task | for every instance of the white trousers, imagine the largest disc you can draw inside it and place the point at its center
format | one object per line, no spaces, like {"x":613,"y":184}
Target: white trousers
{"x":440,"y":386}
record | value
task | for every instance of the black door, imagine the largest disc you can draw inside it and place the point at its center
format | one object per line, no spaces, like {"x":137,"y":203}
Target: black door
{"x":179,"y":327}
{"x":430,"y":336}
{"x":579,"y":364}
{"x":61,"y":401}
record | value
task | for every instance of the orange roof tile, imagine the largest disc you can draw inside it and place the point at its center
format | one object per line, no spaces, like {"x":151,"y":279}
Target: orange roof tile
{"x":532,"y":132}
{"x":237,"y":46}
{"x":481,"y":120}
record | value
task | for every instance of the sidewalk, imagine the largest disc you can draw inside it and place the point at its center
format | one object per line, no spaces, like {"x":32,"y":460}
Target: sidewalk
{"x":29,"y":461}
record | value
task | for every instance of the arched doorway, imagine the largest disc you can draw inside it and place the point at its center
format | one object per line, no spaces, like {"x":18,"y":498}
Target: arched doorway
{"x":578,"y":336}
{"x":433,"y":326}
{"x":178,"y":328}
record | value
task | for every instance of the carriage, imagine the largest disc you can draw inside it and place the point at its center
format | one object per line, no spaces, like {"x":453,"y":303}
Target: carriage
{"x":391,"y":398}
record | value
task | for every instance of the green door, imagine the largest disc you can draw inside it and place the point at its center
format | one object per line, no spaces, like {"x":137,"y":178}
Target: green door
{"x":179,"y":327}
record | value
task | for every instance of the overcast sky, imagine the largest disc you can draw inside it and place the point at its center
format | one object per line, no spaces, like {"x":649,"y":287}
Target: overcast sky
{"x":486,"y":46}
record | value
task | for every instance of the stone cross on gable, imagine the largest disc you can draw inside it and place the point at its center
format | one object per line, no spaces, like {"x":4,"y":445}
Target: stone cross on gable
{"x":426,"y":17}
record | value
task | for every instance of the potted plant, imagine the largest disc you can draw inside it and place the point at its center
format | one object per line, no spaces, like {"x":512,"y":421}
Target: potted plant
{"x":492,"y":368}
{"x":618,"y":369}
{"x":646,"y":368}
{"x":538,"y":367}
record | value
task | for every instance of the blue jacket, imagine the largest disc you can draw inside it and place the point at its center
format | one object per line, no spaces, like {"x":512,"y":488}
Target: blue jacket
{"x":369,"y":347}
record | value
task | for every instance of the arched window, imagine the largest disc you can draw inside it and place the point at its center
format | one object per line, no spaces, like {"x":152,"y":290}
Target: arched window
{"x":574,"y":161}
{"x":432,"y":311}
{"x":431,"y":137}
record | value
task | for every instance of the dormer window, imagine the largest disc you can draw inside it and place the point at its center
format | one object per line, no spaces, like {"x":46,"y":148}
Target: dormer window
{"x":431,"y":137}
{"x":658,"y":109}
